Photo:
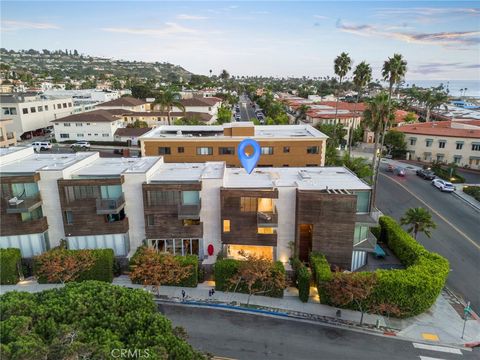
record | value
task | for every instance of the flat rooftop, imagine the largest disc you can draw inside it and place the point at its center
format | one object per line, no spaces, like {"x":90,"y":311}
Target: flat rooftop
{"x":33,"y":162}
{"x":315,"y":178}
{"x":188,"y":172}
{"x":114,"y":167}
{"x":217,"y":131}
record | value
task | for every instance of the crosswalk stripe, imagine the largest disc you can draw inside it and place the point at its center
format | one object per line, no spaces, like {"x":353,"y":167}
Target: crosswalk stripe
{"x":429,"y":358}
{"x":437,"y":348}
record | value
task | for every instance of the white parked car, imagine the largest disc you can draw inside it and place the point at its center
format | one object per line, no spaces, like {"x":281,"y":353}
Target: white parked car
{"x":81,"y":144}
{"x":443,"y":185}
{"x":41,"y":145}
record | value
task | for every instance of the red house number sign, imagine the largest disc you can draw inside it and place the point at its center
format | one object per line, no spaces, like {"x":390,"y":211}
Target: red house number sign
{"x":210,"y":249}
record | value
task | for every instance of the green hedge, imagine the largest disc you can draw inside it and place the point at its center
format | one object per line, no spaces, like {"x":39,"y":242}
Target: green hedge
{"x":472,"y":191}
{"x":303,"y":283}
{"x":191,"y":281}
{"x":445,"y":175}
{"x":102,"y":269}
{"x":225,"y":269}
{"x":9,"y":264}
{"x":321,"y":273}
{"x":414,"y":289}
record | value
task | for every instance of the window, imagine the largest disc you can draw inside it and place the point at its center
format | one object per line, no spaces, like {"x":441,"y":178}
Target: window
{"x":25,"y":111}
{"x":32,"y":215}
{"x":176,"y":246}
{"x":40,"y":108}
{"x":312,"y":150}
{"x":476,"y":147}
{"x":105,"y":135}
{"x":9,"y":111}
{"x":204,"y":151}
{"x":180,"y":149}
{"x":459,"y":146}
{"x":164,"y":151}
{"x":312,"y":165}
{"x":64,"y":105}
{"x":69,"y":217}
{"x":78,"y":124}
{"x":46,"y":107}
{"x":59,"y":106}
{"x":32,"y":109}
{"x":80,"y":135}
{"x":190,"y":197}
{"x":413,"y":141}
{"x":64,"y":136}
{"x":363,"y":201}
{"x":226,"y":151}
{"x":457,"y":159}
{"x":95,"y":134}
{"x":150,"y":220}
{"x":428,"y":142}
{"x":81,"y":192}
{"x":286,"y":149}
{"x":89,"y":134}
{"x":88,"y":124}
{"x":441,"y":144}
{"x":440,"y":157}
{"x":226,"y":226}
{"x":286,"y":165}
{"x":69,"y":104}
{"x":248,"y":204}
{"x":157,"y":198}
{"x":360,"y":234}
{"x":67,"y":124}
{"x":267,"y":150}
{"x":266,"y":230}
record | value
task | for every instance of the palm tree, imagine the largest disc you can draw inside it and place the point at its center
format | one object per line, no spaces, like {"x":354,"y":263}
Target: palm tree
{"x":301,"y":113}
{"x":434,"y":98}
{"x":224,"y":75}
{"x":342,"y":65}
{"x":167,"y":100}
{"x":419,"y":220}
{"x":361,"y":78}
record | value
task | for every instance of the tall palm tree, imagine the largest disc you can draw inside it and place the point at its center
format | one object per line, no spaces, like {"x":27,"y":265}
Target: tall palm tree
{"x":374,"y":117}
{"x":301,"y":113}
{"x":361,"y":78}
{"x":433,"y":99}
{"x":419,"y":220}
{"x":167,"y":100}
{"x":224,"y":75}
{"x":341,"y":65}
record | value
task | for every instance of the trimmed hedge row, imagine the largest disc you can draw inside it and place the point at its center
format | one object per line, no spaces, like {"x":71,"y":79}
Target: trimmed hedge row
{"x":102,"y":269}
{"x":226,"y":269}
{"x":321,"y":273}
{"x":472,"y":191}
{"x":10,"y":259}
{"x":303,"y":283}
{"x":414,"y":289}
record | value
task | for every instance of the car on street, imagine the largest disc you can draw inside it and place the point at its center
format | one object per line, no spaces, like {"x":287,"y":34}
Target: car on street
{"x":399,"y":171}
{"x":443,"y":185}
{"x":390,"y":168}
{"x":41,"y":145}
{"x":81,"y":144}
{"x":426,"y":174}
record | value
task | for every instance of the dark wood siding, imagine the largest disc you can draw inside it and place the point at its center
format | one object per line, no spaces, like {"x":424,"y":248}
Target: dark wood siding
{"x":333,"y":219}
{"x":243,"y":225}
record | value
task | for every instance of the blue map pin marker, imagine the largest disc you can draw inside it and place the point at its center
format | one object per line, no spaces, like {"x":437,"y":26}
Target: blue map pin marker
{"x":248,"y":161}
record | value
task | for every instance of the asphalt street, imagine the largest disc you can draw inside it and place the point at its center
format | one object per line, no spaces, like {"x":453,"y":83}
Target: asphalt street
{"x":457,"y":236}
{"x":244,"y":336}
{"x":247,"y":112}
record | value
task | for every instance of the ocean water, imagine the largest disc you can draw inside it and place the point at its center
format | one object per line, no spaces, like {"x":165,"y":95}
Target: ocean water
{"x":454,"y":86}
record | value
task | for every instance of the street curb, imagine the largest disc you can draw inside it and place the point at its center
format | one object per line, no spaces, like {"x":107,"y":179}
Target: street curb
{"x":475,"y":206}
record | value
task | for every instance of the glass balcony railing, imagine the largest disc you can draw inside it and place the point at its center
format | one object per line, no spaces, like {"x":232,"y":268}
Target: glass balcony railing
{"x":110,"y":206}
{"x":189,"y":211}
{"x":23,"y":204}
{"x":267,"y":218}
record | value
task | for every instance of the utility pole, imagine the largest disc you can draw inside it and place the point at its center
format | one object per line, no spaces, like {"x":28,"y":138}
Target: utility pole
{"x":466,"y":315}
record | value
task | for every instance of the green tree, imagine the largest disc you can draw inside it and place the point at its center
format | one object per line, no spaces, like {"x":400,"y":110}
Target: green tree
{"x":419,"y":220}
{"x":224,"y":114}
{"x":433,"y":98}
{"x":167,"y":100}
{"x":141,"y":91}
{"x":410,"y":118}
{"x":138,"y":124}
{"x":360,"y":166}
{"x":301,"y":113}
{"x":224,"y":75}
{"x":395,"y":143}
{"x":362,"y":76}
{"x":341,"y":65}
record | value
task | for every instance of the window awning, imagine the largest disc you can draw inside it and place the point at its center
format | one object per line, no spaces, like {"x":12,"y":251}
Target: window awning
{"x":428,"y":139}
{"x":412,"y":138}
{"x":474,"y":158}
{"x":475,"y":143}
{"x":459,"y":142}
{"x":457,"y":156}
{"x":442,"y":140}
{"x":440,"y":154}
{"x":427,"y":153}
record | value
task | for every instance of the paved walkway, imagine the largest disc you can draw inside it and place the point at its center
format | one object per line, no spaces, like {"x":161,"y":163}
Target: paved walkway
{"x":442,"y":324}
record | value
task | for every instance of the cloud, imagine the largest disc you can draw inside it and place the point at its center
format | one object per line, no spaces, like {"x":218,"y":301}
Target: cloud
{"x":321,"y":17}
{"x":426,"y":11}
{"x":169,"y":29}
{"x":12,"y":25}
{"x":449,"y":39}
{"x":436,"y":67}
{"x":191,"y":17}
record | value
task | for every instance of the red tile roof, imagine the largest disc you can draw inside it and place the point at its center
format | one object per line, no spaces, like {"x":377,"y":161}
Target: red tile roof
{"x":132,"y":131}
{"x":444,"y":128}
{"x":206,"y":101}
{"x":93,"y":116}
{"x":400,"y":116}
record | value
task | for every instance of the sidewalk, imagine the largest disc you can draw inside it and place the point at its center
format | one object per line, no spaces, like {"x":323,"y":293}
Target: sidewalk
{"x":442,"y":324}
{"x":467,"y":198}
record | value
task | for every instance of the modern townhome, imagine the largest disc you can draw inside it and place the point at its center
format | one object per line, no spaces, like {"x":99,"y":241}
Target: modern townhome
{"x":97,"y":125}
{"x":30,"y":111}
{"x":281,"y":145}
{"x":444,"y":141}
{"x":184,"y":208}
{"x":126,"y":103}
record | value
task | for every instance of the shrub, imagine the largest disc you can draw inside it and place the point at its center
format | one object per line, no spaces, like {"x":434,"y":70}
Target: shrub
{"x":303,"y":282}
{"x":192,"y":279}
{"x":9,"y":266}
{"x":224,"y":270}
{"x":322,"y":274}
{"x":102,"y":269}
{"x":472,"y":191}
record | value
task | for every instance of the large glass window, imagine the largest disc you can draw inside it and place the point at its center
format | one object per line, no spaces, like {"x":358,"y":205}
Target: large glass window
{"x":267,"y":150}
{"x":32,"y":215}
{"x":226,"y":226}
{"x":190,"y":197}
{"x":69,"y":217}
{"x":313,"y":150}
{"x":81,"y":192}
{"x":363,"y":201}
{"x":176,"y":246}
{"x":226,"y":151}
{"x":248,"y":204}
{"x":164,"y":151}
{"x":24,"y":190}
{"x":204,"y":151}
{"x":111,"y":191}
{"x":266,"y":230}
{"x":155,"y":198}
{"x":360,"y":234}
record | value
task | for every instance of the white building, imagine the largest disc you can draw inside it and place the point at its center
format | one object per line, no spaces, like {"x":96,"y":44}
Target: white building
{"x":97,"y":125}
{"x":127,"y":103}
{"x":30,"y":111}
{"x":85,"y":95}
{"x":444,"y":141}
{"x":207,"y":105}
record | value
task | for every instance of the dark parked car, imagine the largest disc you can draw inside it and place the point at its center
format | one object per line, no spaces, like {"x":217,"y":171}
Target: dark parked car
{"x":426,"y":174}
{"x":399,"y":171}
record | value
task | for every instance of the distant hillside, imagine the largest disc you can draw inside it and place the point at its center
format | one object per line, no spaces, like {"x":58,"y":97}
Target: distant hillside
{"x":59,"y":64}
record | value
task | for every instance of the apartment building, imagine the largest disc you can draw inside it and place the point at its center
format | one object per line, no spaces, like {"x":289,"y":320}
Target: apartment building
{"x":157,"y":118}
{"x":97,"y":125}
{"x":183,"y":208}
{"x":126,"y":103}
{"x":7,"y":138}
{"x":208,"y":105}
{"x":281,"y":145}
{"x":30,"y":111}
{"x":455,"y":142}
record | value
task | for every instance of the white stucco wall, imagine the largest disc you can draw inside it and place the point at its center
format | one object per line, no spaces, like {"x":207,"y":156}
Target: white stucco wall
{"x":286,"y":223}
{"x":210,"y":216}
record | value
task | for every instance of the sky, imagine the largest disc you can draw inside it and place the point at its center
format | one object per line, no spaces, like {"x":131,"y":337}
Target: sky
{"x":440,"y":40}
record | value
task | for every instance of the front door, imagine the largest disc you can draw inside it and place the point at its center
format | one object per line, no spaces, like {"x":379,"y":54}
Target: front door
{"x":305,"y":241}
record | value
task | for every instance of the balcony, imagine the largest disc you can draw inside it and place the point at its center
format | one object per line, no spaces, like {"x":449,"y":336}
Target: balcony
{"x":367,"y":244}
{"x":110,"y":206}
{"x":23,"y":205}
{"x":370,"y":219}
{"x":189,"y":211}
{"x":267,"y":218}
